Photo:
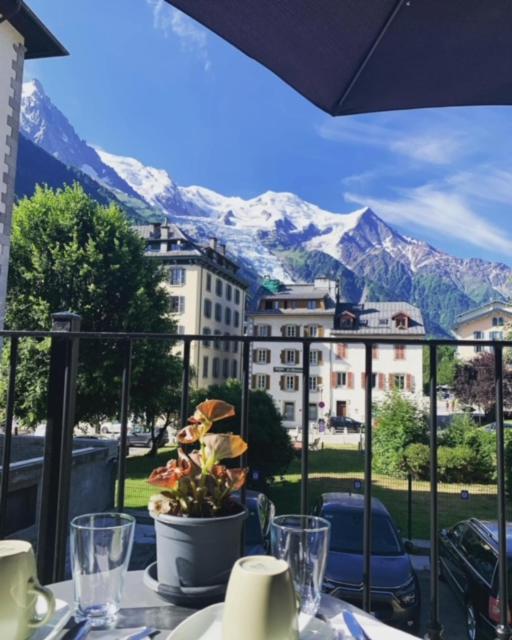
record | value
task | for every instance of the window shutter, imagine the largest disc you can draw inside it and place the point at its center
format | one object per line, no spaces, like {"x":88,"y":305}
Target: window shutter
{"x":320,"y":332}
{"x":282,"y":356}
{"x":297,"y":330}
{"x":334,"y":379}
{"x":319,"y":380}
{"x":296,"y":382}
{"x":255,"y":355}
{"x":297,"y":357}
{"x":281,"y":382}
{"x":268,"y":356}
{"x":320,"y":357}
{"x":253,"y":384}
{"x":267,"y":382}
{"x":350,"y":378}
{"x":306,"y":331}
{"x":375,"y":352}
{"x":341,"y":351}
{"x":382,"y":381}
{"x":391,"y":381}
{"x":409,"y":382}
{"x":283,"y":330}
{"x":363,"y":379}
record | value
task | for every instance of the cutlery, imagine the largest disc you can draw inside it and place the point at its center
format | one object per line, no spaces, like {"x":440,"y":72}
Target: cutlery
{"x":78,"y":631}
{"x":141,"y":634}
{"x":354,"y":627}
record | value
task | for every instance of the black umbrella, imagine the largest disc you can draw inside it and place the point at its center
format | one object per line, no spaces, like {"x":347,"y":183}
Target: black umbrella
{"x":359,"y":56}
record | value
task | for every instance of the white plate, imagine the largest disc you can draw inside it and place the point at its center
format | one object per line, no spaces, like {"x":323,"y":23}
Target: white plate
{"x":56,"y":623}
{"x":207,"y":625}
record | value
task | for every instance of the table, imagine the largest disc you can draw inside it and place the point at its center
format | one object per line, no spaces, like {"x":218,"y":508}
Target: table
{"x":142,"y":607}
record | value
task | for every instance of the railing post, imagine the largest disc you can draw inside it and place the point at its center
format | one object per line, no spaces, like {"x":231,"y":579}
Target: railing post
{"x":244,"y":409}
{"x":6,"y":456}
{"x":123,"y":436}
{"x":503,"y":628}
{"x":305,"y":428}
{"x":434,"y":629}
{"x":185,"y":381}
{"x":409,"y":506}
{"x":367,"y":522}
{"x":58,"y":451}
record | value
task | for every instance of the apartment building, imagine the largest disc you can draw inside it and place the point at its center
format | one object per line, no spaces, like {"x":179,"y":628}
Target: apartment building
{"x":490,"y":321}
{"x":207,"y":296}
{"x":22,"y":37}
{"x":337,"y":371}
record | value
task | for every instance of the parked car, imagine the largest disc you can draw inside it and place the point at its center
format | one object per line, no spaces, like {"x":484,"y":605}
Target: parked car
{"x":468,"y":562}
{"x":395,"y":594}
{"x":340,"y":423}
{"x":140,"y":436}
{"x":257,"y":526}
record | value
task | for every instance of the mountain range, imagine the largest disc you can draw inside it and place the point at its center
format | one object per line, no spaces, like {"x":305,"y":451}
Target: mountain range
{"x":275,"y":234}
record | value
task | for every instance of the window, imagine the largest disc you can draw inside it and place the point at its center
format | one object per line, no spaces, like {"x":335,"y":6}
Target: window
{"x":341,"y":379}
{"x":312,"y":304}
{"x":177,"y":304}
{"x":235,"y":346}
{"x":229,"y":292}
{"x":479,"y":554}
{"x":225,"y":368}
{"x":290,"y":383}
{"x":227,"y":315}
{"x":313,"y":412}
{"x":315,"y":357}
{"x":497,"y":322}
{"x":478,"y":335}
{"x":290,"y":356}
{"x":479,"y":349}
{"x":218,"y":312}
{"x":177,"y":276}
{"x":290,"y":331}
{"x":236,"y":319}
{"x":237,"y":296}
{"x":261,"y":356}
{"x":207,"y":308}
{"x":227,"y":345}
{"x":312,"y":331}
{"x":289,"y":411}
{"x":218,"y":287}
{"x":261,"y":381}
{"x":398,"y":381}
{"x":154,"y":246}
{"x":495,"y":335}
{"x":208,"y":282}
{"x":374,"y":380}
{"x":205,"y":366}
{"x":401,"y":322}
{"x":262,"y":330}
{"x":206,"y":332}
{"x":234,"y":368}
{"x":215,"y":367}
{"x":216,"y":342}
{"x":314,"y":383}
{"x":399,"y":351}
{"x":180,"y":329}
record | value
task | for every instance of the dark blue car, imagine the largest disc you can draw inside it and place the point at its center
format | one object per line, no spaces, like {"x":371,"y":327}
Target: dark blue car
{"x":395,"y":593}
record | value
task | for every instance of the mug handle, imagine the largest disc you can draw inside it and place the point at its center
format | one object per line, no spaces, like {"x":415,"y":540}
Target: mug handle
{"x":39,"y":591}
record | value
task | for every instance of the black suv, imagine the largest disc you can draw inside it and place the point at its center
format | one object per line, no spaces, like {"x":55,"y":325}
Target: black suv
{"x":468,"y":562}
{"x":340,"y":423}
{"x":395,"y":592}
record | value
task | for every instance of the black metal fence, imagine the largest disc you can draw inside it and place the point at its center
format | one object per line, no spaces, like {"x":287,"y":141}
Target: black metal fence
{"x":65,"y":339}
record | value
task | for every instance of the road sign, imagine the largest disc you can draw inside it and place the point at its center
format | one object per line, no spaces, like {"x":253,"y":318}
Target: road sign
{"x":288,"y":369}
{"x":321,"y":405}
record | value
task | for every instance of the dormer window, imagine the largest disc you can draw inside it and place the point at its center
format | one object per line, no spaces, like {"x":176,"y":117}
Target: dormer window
{"x":312,"y":304}
{"x":347,"y":320}
{"x":402,"y":321}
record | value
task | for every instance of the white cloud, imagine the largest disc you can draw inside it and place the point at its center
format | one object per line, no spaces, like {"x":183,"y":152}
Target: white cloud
{"x":423,"y":143}
{"x":175,"y":23}
{"x":441,"y":211}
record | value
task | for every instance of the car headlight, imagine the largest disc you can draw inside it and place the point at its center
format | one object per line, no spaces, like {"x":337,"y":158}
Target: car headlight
{"x":407,"y":594}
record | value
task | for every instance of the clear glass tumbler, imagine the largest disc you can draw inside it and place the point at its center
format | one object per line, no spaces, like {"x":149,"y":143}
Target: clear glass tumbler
{"x":303,"y":541}
{"x":101,"y":545}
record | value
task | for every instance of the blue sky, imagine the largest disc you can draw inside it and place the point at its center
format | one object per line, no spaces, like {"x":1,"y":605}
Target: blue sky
{"x":143,"y":80}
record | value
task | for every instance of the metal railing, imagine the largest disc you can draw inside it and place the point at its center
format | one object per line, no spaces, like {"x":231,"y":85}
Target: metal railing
{"x":65,"y":338}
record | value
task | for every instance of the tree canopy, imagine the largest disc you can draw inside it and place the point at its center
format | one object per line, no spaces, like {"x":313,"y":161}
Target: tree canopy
{"x":69,"y":253}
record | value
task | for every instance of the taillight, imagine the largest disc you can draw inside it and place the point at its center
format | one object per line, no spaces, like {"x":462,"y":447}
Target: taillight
{"x":495,"y":610}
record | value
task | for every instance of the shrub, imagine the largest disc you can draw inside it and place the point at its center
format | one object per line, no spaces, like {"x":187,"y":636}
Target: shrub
{"x":460,"y":428}
{"x":270,"y":449}
{"x":417,"y":460}
{"x":458,"y":464}
{"x":398,"y":423}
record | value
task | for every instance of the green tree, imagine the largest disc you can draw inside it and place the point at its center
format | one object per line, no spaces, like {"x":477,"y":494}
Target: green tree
{"x":446,"y":366}
{"x":70,"y":253}
{"x":270,"y":449}
{"x":398,"y":423}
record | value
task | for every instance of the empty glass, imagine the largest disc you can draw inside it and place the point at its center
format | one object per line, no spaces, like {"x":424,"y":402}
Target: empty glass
{"x":303,"y":541}
{"x":101,"y":545}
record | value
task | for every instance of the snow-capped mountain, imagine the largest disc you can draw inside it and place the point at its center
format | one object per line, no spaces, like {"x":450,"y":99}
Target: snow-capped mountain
{"x":280,"y":234}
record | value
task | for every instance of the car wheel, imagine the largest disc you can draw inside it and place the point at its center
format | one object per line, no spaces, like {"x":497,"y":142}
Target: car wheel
{"x":472,"y":622}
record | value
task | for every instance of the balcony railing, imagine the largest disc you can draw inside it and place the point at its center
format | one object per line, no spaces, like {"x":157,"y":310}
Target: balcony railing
{"x":65,"y":338}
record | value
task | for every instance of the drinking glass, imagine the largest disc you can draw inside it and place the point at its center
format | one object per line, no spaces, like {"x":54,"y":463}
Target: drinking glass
{"x":303,"y":541}
{"x":101,"y":545}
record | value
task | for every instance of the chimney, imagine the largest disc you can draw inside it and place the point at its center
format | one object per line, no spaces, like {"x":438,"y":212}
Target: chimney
{"x":213,"y":244}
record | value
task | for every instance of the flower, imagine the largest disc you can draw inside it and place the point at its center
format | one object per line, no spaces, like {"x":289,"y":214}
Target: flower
{"x":159,"y":504}
{"x":201,"y":422}
{"x":224,"y":445}
{"x":169,"y":476}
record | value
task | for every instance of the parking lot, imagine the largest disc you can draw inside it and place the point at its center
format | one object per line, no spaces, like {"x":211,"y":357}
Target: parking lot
{"x":451,"y":612}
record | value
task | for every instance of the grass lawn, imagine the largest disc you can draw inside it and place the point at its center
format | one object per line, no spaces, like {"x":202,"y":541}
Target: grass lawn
{"x":336,"y":469}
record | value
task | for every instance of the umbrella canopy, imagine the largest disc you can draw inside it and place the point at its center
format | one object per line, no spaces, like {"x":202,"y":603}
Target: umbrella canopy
{"x":358,"y":56}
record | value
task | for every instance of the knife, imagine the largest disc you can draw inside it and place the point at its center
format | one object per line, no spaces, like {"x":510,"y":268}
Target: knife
{"x":78,"y":631}
{"x":354,"y":627}
{"x":142,"y":634}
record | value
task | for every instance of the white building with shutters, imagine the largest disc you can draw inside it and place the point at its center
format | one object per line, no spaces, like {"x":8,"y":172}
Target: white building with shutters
{"x":337,"y":371}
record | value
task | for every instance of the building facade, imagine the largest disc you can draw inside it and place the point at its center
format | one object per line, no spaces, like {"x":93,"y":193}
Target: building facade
{"x":491,"y":321}
{"x":207,"y":296}
{"x":22,"y":36}
{"x":337,"y":371}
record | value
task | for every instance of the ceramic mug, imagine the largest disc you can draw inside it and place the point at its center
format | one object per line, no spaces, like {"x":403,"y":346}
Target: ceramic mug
{"x":20,"y":590}
{"x":260,"y":601}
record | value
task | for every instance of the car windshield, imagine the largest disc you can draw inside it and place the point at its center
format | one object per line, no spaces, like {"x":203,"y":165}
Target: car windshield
{"x":347,"y":533}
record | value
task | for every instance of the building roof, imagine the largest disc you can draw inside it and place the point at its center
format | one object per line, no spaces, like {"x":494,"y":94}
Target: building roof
{"x":477,"y":312}
{"x":376,"y":318}
{"x":39,"y":41}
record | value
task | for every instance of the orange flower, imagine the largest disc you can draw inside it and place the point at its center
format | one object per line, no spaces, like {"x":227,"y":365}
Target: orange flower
{"x":201,"y":422}
{"x":237,"y":478}
{"x":169,"y":476}
{"x":223,"y":445}
{"x":189,"y":435}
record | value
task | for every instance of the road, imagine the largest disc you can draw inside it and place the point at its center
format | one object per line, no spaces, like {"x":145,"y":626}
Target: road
{"x":451,"y":612}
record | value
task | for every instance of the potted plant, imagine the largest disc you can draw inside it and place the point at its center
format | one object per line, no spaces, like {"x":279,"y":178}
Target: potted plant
{"x":198,"y":524}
